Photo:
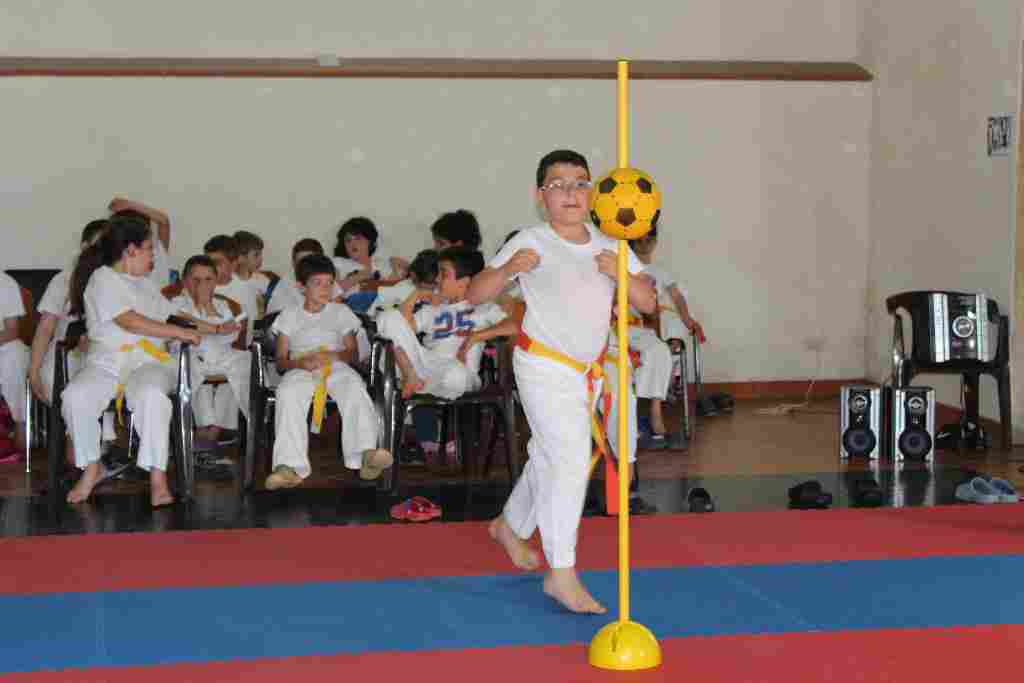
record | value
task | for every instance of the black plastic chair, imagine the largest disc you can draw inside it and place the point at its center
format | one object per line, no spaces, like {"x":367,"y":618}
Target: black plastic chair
{"x":182,"y":428}
{"x":939,"y":346}
{"x":497,"y":394}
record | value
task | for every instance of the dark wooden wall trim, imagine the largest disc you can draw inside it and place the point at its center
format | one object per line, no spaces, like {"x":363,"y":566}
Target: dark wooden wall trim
{"x":431,"y":68}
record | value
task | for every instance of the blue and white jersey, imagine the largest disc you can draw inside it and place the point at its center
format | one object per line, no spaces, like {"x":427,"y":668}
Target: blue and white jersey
{"x":445,"y":327}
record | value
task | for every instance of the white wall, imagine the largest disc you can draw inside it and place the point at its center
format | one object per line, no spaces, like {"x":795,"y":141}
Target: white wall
{"x":823,"y":30}
{"x":942,"y":211}
{"x":765,"y":183}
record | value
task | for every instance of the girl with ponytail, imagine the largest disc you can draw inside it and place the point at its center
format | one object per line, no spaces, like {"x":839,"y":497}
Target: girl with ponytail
{"x":126,"y":317}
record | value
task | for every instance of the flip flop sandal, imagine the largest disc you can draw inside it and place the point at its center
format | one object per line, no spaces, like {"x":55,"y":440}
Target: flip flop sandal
{"x":428,"y":506}
{"x":414,"y":510}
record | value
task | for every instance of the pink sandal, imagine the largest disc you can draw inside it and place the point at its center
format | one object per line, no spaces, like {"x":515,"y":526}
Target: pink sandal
{"x":417,"y":509}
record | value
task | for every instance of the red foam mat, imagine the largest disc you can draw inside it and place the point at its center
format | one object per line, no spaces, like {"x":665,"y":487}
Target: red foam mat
{"x":256,"y":556}
{"x":933,"y":655}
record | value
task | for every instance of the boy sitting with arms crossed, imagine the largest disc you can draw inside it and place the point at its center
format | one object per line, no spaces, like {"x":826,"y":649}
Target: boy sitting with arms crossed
{"x":215,"y":406}
{"x":316,"y":342}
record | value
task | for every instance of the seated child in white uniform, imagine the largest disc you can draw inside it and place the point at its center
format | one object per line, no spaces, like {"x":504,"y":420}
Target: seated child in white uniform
{"x":14,"y":356}
{"x":434,"y":367}
{"x":250,"y":260}
{"x":357,"y":259}
{"x":422,"y":275}
{"x":160,"y":223}
{"x":125,"y":314}
{"x":215,"y":406}
{"x":315,"y":343}
{"x":54,"y":318}
{"x":223,"y":251}
{"x":458,"y":228}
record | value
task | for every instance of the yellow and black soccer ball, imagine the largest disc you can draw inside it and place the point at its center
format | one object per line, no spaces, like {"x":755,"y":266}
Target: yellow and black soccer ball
{"x":625,"y":203}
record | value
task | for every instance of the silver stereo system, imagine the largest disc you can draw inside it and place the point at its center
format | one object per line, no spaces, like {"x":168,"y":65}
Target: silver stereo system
{"x":860,"y":422}
{"x":913,"y":423}
{"x":959,"y":327}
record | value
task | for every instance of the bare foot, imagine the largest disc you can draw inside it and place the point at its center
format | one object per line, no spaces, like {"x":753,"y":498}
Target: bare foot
{"x":159,"y":492}
{"x":564,"y":586}
{"x":521,"y":554}
{"x":413,"y":386}
{"x":83,"y":489}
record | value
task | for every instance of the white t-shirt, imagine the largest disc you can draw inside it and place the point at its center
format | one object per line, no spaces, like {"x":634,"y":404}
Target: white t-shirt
{"x":663,"y":281}
{"x":259,"y":283}
{"x":212,"y":347}
{"x":392,"y":296}
{"x":161,"y":273}
{"x":380,"y":263}
{"x":315,"y":331}
{"x":11,"y":305}
{"x":286,"y":295}
{"x":568,"y":301}
{"x":108,"y":295}
{"x":55,"y":302}
{"x":446,"y":326}
{"x":239,"y":291}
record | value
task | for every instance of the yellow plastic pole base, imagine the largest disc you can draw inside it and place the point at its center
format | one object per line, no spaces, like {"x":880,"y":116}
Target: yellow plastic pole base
{"x":624,"y":646}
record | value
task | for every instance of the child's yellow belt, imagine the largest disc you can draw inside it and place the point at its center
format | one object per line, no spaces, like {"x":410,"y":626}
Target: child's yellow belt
{"x":598,"y":428}
{"x":151,"y":349}
{"x":320,"y":392}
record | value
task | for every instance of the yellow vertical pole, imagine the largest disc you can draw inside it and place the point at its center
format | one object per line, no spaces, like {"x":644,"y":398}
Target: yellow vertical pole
{"x":623,"y":332}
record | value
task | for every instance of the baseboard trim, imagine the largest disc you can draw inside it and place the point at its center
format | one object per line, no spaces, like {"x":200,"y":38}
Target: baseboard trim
{"x":781,"y":389}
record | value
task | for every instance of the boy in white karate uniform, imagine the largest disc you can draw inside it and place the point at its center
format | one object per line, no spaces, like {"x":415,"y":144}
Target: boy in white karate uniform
{"x":125,"y":315}
{"x":422,"y":275}
{"x":223,"y":251}
{"x":215,"y":406}
{"x":567,"y":270}
{"x":250,"y":260}
{"x":54,"y":318}
{"x":675,"y":323}
{"x":436,"y":366}
{"x":14,"y":355}
{"x":315,"y":343}
{"x":289,"y":293}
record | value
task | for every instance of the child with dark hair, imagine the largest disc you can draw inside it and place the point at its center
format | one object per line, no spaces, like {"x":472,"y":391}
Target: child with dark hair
{"x":126,"y":318}
{"x":161,"y":223}
{"x":14,"y":360}
{"x":249,"y":247}
{"x":288,"y":292}
{"x":456,"y":229}
{"x":54,"y":319}
{"x":223,"y":251}
{"x":215,"y":406}
{"x":357,"y":259}
{"x":316,"y":342}
{"x":567,"y":271}
{"x":433,"y":367}
{"x":422,"y":275}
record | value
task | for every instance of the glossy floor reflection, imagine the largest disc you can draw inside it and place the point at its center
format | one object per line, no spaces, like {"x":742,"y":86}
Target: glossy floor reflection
{"x":747,"y":462}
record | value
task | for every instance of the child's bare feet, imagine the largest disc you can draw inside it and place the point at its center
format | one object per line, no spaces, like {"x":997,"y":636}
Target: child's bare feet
{"x":83,"y":489}
{"x":159,"y":492}
{"x":521,"y":554}
{"x":564,"y":586}
{"x":412,"y":386}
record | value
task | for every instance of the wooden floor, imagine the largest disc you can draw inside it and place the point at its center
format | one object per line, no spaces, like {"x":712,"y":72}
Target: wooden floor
{"x":748,"y":460}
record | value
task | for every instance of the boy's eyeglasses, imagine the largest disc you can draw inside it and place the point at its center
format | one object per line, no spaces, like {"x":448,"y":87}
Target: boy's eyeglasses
{"x":568,"y":187}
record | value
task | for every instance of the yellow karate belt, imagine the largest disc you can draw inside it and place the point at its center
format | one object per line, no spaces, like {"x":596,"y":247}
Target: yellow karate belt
{"x":598,"y":428}
{"x":158,"y":354}
{"x":320,"y":394}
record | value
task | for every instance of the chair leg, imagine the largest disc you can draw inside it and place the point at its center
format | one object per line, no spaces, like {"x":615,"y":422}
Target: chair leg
{"x":685,"y":385}
{"x":971,"y":388}
{"x":56,"y":447}
{"x":1005,"y":407}
{"x":29,"y":427}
